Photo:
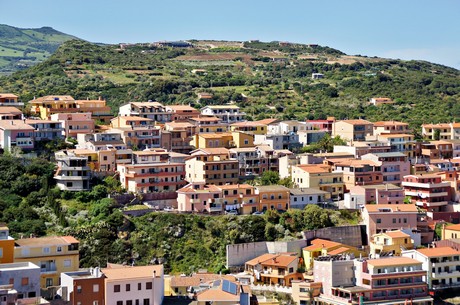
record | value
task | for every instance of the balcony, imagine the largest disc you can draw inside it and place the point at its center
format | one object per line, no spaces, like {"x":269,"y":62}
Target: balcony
{"x":426,"y":195}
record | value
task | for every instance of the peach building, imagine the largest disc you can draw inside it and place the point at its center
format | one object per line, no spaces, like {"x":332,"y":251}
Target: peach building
{"x":360,"y":195}
{"x":151,"y":110}
{"x":272,"y":269}
{"x":389,"y":127}
{"x":199,"y":198}
{"x":208,"y":124}
{"x":181,"y":113}
{"x":239,"y":197}
{"x":273,"y":197}
{"x":16,"y":133}
{"x":6,"y":245}
{"x":319,"y":176}
{"x":180,"y":134}
{"x":394,"y":165}
{"x":211,"y":166}
{"x":10,"y":113}
{"x":427,"y":191}
{"x":352,"y":130}
{"x":9,"y":99}
{"x":134,"y":285}
{"x":359,"y":172}
{"x":74,"y":123}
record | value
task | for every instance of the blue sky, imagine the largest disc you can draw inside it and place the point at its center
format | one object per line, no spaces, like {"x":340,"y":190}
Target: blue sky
{"x":405,"y":29}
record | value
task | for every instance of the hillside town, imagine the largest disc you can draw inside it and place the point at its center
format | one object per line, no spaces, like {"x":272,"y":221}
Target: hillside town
{"x":210,"y":161}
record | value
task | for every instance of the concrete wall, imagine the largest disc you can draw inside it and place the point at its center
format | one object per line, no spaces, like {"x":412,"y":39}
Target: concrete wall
{"x":238,"y":254}
{"x":349,"y":235}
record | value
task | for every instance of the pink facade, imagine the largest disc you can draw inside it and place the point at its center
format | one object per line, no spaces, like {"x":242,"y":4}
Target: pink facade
{"x":385,"y":217}
{"x":16,"y":133}
{"x":427,"y":191}
{"x":196,"y":197}
{"x":75,"y":123}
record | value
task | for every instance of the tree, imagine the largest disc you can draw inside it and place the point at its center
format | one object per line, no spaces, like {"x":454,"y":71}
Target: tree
{"x":316,"y":217}
{"x":269,"y":178}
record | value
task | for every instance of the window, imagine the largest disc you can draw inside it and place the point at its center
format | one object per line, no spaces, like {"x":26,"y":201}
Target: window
{"x":146,"y":301}
{"x":67,"y":263}
{"x":129,"y":302}
{"x":79,"y":289}
{"x":95,"y":303}
{"x":139,"y":286}
{"x":25,"y":281}
{"x":119,"y":302}
{"x":11,"y":282}
{"x":379,"y":220}
{"x":116,"y":288}
{"x":148,"y":285}
{"x":46,"y":250}
{"x":96,"y":288}
{"x":394,"y":220}
{"x":59,"y":249}
{"x":49,"y":282}
{"x":128,"y":287}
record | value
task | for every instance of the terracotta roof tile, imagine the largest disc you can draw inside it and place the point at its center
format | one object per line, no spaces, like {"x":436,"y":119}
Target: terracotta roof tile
{"x":131,"y":272}
{"x":393,"y":261}
{"x":441,"y":251}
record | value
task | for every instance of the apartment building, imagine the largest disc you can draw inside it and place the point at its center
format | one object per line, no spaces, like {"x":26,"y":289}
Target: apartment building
{"x":181,"y":134}
{"x":25,"y":278}
{"x":198,"y":197}
{"x":73,"y":173}
{"x":74,"y":123}
{"x":272,"y":269}
{"x":441,"y":266}
{"x":53,"y":104}
{"x":132,"y":285}
{"x":390,"y":127}
{"x":427,"y":191}
{"x":206,"y":124}
{"x":399,"y":142}
{"x":394,"y":165}
{"x":211,"y":166}
{"x":9,"y":99}
{"x":85,"y":287}
{"x":359,"y":172}
{"x":10,"y":113}
{"x":439,"y":131}
{"x":273,"y":197}
{"x":222,"y":139}
{"x":380,"y":218}
{"x":151,"y":171}
{"x":150,"y":110}
{"x":53,"y":254}
{"x":358,"y":149}
{"x":227,"y":113}
{"x":383,"y":281}
{"x":46,"y":129}
{"x":181,"y":113}
{"x":249,"y":127}
{"x":288,"y":141}
{"x":319,"y":176}
{"x":285,"y":127}
{"x":16,"y":133}
{"x":390,"y":242}
{"x":352,"y":130}
{"x":360,"y":195}
{"x":6,"y":245}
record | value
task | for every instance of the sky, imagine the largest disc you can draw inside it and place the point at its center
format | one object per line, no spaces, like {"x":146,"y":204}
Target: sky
{"x":403,"y":29}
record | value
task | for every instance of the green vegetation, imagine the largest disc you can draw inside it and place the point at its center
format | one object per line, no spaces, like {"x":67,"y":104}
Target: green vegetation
{"x":22,"y":48}
{"x":423,"y":92}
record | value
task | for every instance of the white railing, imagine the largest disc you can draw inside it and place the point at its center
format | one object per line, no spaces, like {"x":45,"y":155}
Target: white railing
{"x":272,"y":288}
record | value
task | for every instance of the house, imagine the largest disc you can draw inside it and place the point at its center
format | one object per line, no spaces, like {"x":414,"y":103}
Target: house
{"x":45,"y":106}
{"x":53,"y":254}
{"x":441,"y":266}
{"x":358,"y":149}
{"x":393,"y":242}
{"x":74,"y":123}
{"x":308,"y":137}
{"x":204,"y":96}
{"x":323,"y":247}
{"x":25,"y":278}
{"x":286,"y":127}
{"x":273,"y":197}
{"x":393,"y":165}
{"x":222,"y":139}
{"x":352,"y":130}
{"x":279,"y":141}
{"x":399,"y":142}
{"x":305,"y":292}
{"x":181,"y":134}
{"x":208,"y":124}
{"x":272,"y":269}
{"x":73,"y":173}
{"x":384,"y":281}
{"x":301,"y":197}
{"x":151,"y":110}
{"x":450,"y":232}
{"x":198,"y":197}
{"x":211,"y":166}
{"x":319,"y":176}
{"x":181,"y":113}
{"x":9,"y":99}
{"x":317,"y":76}
{"x":223,"y":292}
{"x":389,"y":127}
{"x":85,"y":287}
{"x":437,"y":131}
{"x":134,"y":284}
{"x":444,"y":148}
{"x":227,"y":113}
{"x":378,"y":101}
{"x":151,"y":171}
{"x":239,"y":197}
{"x":322,"y":125}
{"x":427,"y":191}
{"x":253,"y":161}
{"x":359,"y":172}
{"x":380,"y":218}
{"x":360,"y":195}
{"x":16,"y":133}
{"x":249,"y":127}
{"x":46,"y":129}
{"x":10,"y":113}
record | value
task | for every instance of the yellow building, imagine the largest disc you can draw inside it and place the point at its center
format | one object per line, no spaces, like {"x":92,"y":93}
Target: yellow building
{"x":324,"y":247}
{"x":390,"y":242}
{"x":222,"y":139}
{"x":239,"y":196}
{"x":273,"y":197}
{"x":353,"y":130}
{"x":6,"y":245}
{"x":130,"y":122}
{"x":51,"y":104}
{"x":54,"y":255}
{"x":450,"y":232}
{"x":250,"y":127}
{"x":304,"y":292}
{"x":319,"y":176}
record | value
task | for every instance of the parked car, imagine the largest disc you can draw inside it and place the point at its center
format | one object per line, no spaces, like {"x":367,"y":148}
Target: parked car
{"x":258,"y":213}
{"x":231,"y":212}
{"x":168,"y":209}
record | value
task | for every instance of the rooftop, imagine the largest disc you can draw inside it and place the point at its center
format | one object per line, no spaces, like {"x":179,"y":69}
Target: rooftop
{"x":132,"y":272}
{"x":46,"y":241}
{"x":393,"y":261}
{"x":439,"y":251}
{"x":307,"y":191}
{"x":375,"y":208}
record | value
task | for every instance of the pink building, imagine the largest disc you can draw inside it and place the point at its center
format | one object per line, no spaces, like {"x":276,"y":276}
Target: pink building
{"x":16,"y":133}
{"x":427,"y":191}
{"x":74,"y":123}
{"x":361,"y":195}
{"x":197,"y":197}
{"x":388,"y":217}
{"x":394,"y":165}
{"x":325,"y":125}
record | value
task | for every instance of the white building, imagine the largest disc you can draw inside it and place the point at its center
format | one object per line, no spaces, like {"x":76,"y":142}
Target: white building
{"x":24,"y":276}
{"x":227,"y":113}
{"x":301,"y":197}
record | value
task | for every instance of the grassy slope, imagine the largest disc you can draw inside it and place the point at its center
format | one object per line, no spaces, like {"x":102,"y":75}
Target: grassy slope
{"x":21,"y":48}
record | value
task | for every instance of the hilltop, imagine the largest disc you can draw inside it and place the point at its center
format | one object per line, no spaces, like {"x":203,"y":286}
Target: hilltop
{"x":266,"y":79}
{"x":22,"y":48}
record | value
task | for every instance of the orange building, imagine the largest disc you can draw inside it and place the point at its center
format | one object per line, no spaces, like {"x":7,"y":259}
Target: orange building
{"x":6,"y":245}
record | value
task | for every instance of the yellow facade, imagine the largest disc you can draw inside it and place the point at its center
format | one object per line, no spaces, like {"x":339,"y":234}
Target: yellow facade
{"x":390,"y":242}
{"x":222,"y":139}
{"x":250,"y":128}
{"x":6,"y":246}
{"x":53,"y":255}
{"x":319,"y":176}
{"x":450,"y":232}
{"x":273,"y":197}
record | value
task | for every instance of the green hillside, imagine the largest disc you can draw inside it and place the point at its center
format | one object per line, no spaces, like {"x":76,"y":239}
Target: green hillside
{"x":22,"y":48}
{"x":266,"y":79}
